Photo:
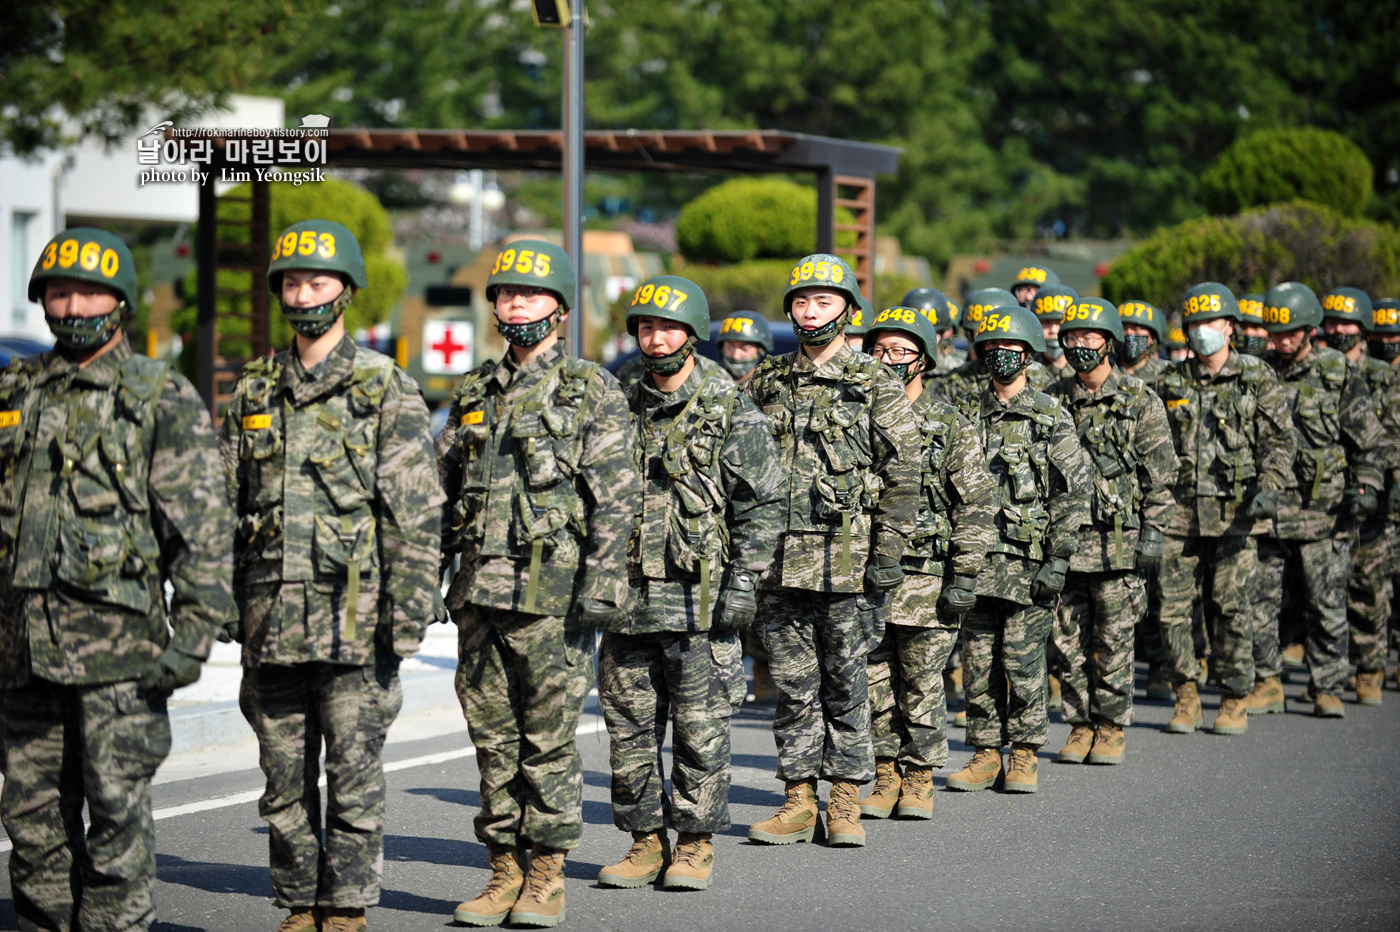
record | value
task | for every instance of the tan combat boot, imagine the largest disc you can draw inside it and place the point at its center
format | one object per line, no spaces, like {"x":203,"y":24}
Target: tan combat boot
{"x":1265,"y":697}
{"x":1187,"y":717}
{"x":843,"y":828}
{"x":1110,"y":744}
{"x":953,"y":682}
{"x":885,"y":796}
{"x":960,"y":720}
{"x":1294,"y":655}
{"x":979,"y":773}
{"x":916,"y":796}
{"x":795,"y":821}
{"x":344,"y":920}
{"x":1368,"y":687}
{"x":1233,"y":718}
{"x":1021,"y":775}
{"x":1158,"y":686}
{"x":1081,"y":741}
{"x":765,"y":691}
{"x":541,"y":903}
{"x":493,"y":904}
{"x":692,"y":863}
{"x":642,"y":864}
{"x":1203,"y":674}
{"x":301,"y":920}
{"x":1055,"y":700}
{"x":1328,"y":706}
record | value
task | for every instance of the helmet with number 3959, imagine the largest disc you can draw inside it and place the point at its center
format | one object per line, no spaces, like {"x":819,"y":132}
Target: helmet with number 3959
{"x":317,"y":245}
{"x":534,"y":262}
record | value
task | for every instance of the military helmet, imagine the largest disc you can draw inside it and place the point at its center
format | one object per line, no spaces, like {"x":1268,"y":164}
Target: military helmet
{"x":1385,"y":316}
{"x":746,"y":327}
{"x":910,"y":321}
{"x":1252,"y":309}
{"x":1176,"y":337}
{"x":1208,"y":301}
{"x":822,"y":270}
{"x":1291,"y":306}
{"x":954,"y":314}
{"x":318,"y":245}
{"x":980,"y":302}
{"x":1037,"y":275}
{"x":860,"y":317}
{"x":1051,"y":302}
{"x":86,"y":254}
{"x":671,"y":297}
{"x":934,"y":304}
{"x":1347,"y":304}
{"x":1011,"y":322}
{"x":1144,"y":315}
{"x":1093,"y":314}
{"x":534,"y":262}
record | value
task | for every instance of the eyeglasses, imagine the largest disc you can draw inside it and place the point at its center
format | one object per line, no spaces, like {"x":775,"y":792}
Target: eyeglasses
{"x":894,"y":354}
{"x":524,"y":291}
{"x":1077,"y":338}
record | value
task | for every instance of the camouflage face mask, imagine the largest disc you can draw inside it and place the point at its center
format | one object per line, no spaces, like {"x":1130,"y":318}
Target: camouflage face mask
{"x":1084,"y":359}
{"x":740,"y":367}
{"x":312,"y":322}
{"x":671,"y":363}
{"x":85,"y":333}
{"x":1342,"y":342}
{"x":1004,"y":364}
{"x":824,"y":334}
{"x":1252,"y":346}
{"x":527,"y":335}
{"x":1386,"y":352}
{"x":1136,"y":346}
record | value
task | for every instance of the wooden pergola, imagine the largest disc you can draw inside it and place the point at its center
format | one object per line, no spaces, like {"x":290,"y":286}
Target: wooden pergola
{"x":845,"y":174}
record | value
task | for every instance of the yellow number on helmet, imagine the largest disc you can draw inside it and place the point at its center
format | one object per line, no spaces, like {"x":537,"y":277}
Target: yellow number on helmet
{"x":68,"y":253}
{"x":306,"y":245}
{"x":823,"y":269}
{"x":661,"y":296}
{"x":326,"y":249}
{"x":541,"y":265}
{"x":50,"y":256}
{"x":90,"y":255}
{"x":680,"y":297}
{"x":837,"y":274}
{"x":643,"y":295}
{"x":110,"y":262}
{"x":289,"y":245}
{"x":806,"y":270}
{"x":526,"y":261}
{"x":1005,"y":325}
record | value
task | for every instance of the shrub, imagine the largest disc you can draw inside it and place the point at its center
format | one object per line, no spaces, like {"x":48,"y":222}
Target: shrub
{"x":1277,"y":165}
{"x":753,"y":218}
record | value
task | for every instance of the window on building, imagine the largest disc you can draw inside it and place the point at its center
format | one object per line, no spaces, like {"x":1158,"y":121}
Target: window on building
{"x":20,"y":259}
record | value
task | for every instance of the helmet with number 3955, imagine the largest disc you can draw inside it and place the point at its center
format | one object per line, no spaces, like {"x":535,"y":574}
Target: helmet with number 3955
{"x":317,"y":245}
{"x":534,"y":262}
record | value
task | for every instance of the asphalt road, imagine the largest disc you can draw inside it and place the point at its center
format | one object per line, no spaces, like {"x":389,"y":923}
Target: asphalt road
{"x":1291,"y":825}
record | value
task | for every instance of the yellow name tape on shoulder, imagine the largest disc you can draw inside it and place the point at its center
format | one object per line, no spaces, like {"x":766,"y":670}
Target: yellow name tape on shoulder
{"x":257,"y":422}
{"x":9,"y":418}
{"x":1177,"y":402}
{"x":473,"y":417}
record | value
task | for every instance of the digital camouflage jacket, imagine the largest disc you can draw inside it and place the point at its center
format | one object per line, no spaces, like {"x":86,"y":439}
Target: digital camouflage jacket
{"x":332,"y":475}
{"x":109,"y":488}
{"x":541,"y":478}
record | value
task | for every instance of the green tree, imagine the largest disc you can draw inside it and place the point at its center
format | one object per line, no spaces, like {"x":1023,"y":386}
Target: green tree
{"x":1289,"y":164}
{"x":74,"y":68}
{"x":753,"y":218}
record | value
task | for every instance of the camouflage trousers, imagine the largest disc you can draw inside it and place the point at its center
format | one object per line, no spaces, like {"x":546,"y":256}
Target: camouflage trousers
{"x":1004,"y":672}
{"x":817,"y":643}
{"x":294,"y":709}
{"x":645,"y":682}
{"x":1094,"y":632}
{"x":522,"y":681}
{"x":1149,"y":626}
{"x":908,"y":707}
{"x":1310,"y":578}
{"x":1370,"y":592}
{"x":63,"y":746}
{"x":1220,"y":572}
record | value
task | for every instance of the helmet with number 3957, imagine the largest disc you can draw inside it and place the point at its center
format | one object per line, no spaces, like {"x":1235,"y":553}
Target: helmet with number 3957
{"x":534,"y":262}
{"x":317,"y":245}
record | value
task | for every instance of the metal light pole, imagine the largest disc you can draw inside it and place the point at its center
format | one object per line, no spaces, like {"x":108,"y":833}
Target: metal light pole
{"x":573,"y":167}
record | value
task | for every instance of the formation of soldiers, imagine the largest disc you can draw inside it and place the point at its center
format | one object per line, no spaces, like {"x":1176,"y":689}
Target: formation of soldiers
{"x":876,"y":516}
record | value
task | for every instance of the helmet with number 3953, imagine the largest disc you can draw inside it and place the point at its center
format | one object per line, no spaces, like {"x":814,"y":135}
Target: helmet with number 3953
{"x":317,"y":245}
{"x":86,"y":254}
{"x":534,"y":262}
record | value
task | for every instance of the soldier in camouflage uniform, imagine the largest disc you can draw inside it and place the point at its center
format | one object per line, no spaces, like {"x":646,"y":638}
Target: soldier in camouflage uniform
{"x":963,"y":387}
{"x":1030,"y":280}
{"x":110,"y":458}
{"x":942,"y":308}
{"x":711,"y":513}
{"x":1336,"y":479}
{"x":1043,"y":482}
{"x":634,"y":370}
{"x":1232,"y":434}
{"x":908,"y":707}
{"x":543,"y":492}
{"x":745,"y":339}
{"x":1371,"y":593}
{"x":330,"y":466}
{"x":1049,"y":305}
{"x":850,"y":447}
{"x":1253,"y":336}
{"x":1123,"y":428}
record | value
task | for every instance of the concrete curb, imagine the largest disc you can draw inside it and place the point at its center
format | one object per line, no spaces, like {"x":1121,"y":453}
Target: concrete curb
{"x":220,"y":724}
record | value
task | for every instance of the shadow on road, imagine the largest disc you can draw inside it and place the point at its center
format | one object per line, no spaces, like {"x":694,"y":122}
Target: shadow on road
{"x":214,"y":878}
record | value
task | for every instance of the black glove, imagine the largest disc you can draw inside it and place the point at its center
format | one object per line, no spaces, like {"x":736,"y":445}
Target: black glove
{"x":1264,"y":504}
{"x":958,"y":597}
{"x":1362,"y":501}
{"x":1392,"y":500}
{"x":1051,"y":578}
{"x":1149,"y":548}
{"x":172,"y":670}
{"x":231,"y":631}
{"x":883,"y":572}
{"x":595,"y":613}
{"x":738,"y":600}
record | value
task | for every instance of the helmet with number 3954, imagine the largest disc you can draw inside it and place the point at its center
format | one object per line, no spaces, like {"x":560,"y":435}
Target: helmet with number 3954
{"x":534,"y":262}
{"x":1011,"y":323}
{"x":317,"y":245}
{"x":86,"y":254}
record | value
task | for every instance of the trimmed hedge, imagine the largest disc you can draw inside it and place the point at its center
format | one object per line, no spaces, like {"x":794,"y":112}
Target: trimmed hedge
{"x":1277,"y":165}
{"x":753,"y":218}
{"x":1297,"y":241}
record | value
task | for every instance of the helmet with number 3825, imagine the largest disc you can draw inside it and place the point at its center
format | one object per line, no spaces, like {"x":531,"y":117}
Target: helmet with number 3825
{"x":534,"y":262}
{"x":86,"y":254}
{"x":317,"y":245}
